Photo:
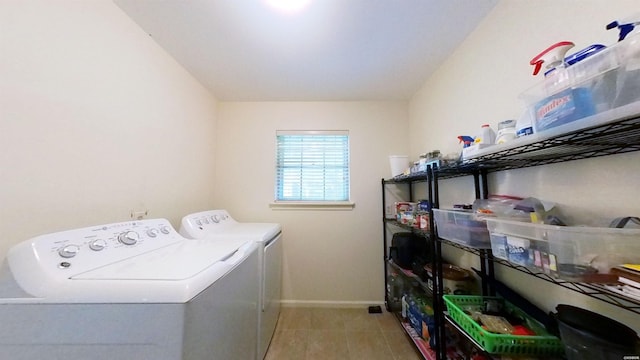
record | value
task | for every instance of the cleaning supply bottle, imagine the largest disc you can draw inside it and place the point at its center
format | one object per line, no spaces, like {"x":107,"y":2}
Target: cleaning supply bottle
{"x":524,"y":125}
{"x":628,"y":79}
{"x":405,"y":304}
{"x":506,"y":131}
{"x":551,"y":57}
{"x":466,"y":140}
{"x":555,"y":74}
{"x":486,"y":136}
{"x":623,"y":28}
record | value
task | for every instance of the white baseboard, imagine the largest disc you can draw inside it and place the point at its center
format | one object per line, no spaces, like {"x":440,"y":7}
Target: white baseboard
{"x":329,"y":303}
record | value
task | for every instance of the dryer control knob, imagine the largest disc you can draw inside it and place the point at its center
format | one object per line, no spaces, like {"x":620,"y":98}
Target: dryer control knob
{"x":215,"y":218}
{"x":129,"y":237}
{"x":97,"y":245}
{"x":69,"y":251}
{"x":152,"y":233}
{"x":165,"y":230}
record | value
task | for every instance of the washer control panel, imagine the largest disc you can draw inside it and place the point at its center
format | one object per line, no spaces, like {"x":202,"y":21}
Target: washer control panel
{"x":207,"y":222}
{"x":80,"y":250}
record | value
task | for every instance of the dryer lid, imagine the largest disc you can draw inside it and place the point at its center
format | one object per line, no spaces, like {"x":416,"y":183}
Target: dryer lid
{"x":255,"y":231}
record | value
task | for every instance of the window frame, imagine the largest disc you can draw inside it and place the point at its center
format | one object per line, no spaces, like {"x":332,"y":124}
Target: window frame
{"x":311,"y":204}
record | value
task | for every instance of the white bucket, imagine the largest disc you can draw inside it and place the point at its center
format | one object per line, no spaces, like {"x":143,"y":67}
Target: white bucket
{"x":399,"y":163}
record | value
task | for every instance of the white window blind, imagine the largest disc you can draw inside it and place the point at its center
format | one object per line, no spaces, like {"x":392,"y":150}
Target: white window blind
{"x":312,"y":166}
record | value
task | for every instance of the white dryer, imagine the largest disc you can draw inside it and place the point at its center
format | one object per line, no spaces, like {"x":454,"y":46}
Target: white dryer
{"x":219,"y":225}
{"x":131,"y":290}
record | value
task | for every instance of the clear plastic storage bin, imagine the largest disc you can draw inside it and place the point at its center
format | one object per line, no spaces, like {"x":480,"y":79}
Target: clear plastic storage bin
{"x":462,"y":227}
{"x":606,"y":80}
{"x":572,"y":253}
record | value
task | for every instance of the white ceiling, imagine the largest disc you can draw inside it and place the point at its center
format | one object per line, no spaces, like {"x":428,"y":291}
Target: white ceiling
{"x":244,"y":50}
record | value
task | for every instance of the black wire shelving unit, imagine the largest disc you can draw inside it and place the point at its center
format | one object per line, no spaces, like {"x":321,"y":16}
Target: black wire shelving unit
{"x":613,"y":132}
{"x":609,"y":133}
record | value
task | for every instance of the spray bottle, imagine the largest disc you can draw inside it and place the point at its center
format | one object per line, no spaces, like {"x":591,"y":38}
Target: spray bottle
{"x":563,"y":103}
{"x":628,"y":84}
{"x":556,"y":76}
{"x":551,"y":57}
{"x":466,"y":140}
{"x":624,"y":29}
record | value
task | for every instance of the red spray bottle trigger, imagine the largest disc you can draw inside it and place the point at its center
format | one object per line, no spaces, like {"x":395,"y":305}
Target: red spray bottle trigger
{"x":551,"y":56}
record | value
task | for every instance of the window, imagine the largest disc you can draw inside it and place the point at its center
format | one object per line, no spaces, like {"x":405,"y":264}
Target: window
{"x":312,"y":166}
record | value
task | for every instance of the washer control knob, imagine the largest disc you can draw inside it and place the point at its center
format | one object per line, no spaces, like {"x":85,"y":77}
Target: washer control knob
{"x":215,"y":218}
{"x":129,"y":237}
{"x":97,"y":245}
{"x":165,"y":230}
{"x":69,"y":251}
{"x":152,"y":233}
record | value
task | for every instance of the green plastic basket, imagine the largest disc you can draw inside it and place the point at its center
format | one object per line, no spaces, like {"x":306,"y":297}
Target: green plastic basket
{"x":540,"y":344}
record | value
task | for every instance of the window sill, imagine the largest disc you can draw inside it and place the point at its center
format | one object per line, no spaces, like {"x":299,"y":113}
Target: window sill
{"x":311,"y":205}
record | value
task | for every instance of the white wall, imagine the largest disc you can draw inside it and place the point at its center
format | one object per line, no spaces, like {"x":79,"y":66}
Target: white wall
{"x":96,"y":120}
{"x":480,"y":84}
{"x":330,"y":257}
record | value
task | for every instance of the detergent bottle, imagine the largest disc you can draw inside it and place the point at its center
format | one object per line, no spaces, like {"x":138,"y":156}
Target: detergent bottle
{"x":524,"y":124}
{"x":486,"y":136}
{"x":506,"y":131}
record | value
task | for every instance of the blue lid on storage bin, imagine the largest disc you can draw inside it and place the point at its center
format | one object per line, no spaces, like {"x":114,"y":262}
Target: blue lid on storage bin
{"x":583,"y":54}
{"x":580,"y":55}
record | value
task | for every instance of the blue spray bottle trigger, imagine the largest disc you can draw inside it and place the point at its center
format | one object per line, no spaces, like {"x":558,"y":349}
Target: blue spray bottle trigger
{"x":466,"y":140}
{"x":624,"y":29}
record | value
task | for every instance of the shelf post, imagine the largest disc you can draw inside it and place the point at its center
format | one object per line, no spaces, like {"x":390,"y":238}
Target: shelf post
{"x":436,"y":265}
{"x":476,"y":183}
{"x":485,"y":184}
{"x":384,"y":247}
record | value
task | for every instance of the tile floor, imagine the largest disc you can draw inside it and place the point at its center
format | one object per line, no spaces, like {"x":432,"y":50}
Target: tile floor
{"x":340,"y":334}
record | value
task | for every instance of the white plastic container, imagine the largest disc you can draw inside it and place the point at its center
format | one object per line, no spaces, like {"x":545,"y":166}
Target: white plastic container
{"x":486,"y":136}
{"x":399,"y":164}
{"x":506,"y":135}
{"x":524,"y":125}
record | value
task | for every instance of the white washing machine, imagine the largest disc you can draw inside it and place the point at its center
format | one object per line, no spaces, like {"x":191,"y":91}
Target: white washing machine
{"x":219,"y":225}
{"x":131,"y":290}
